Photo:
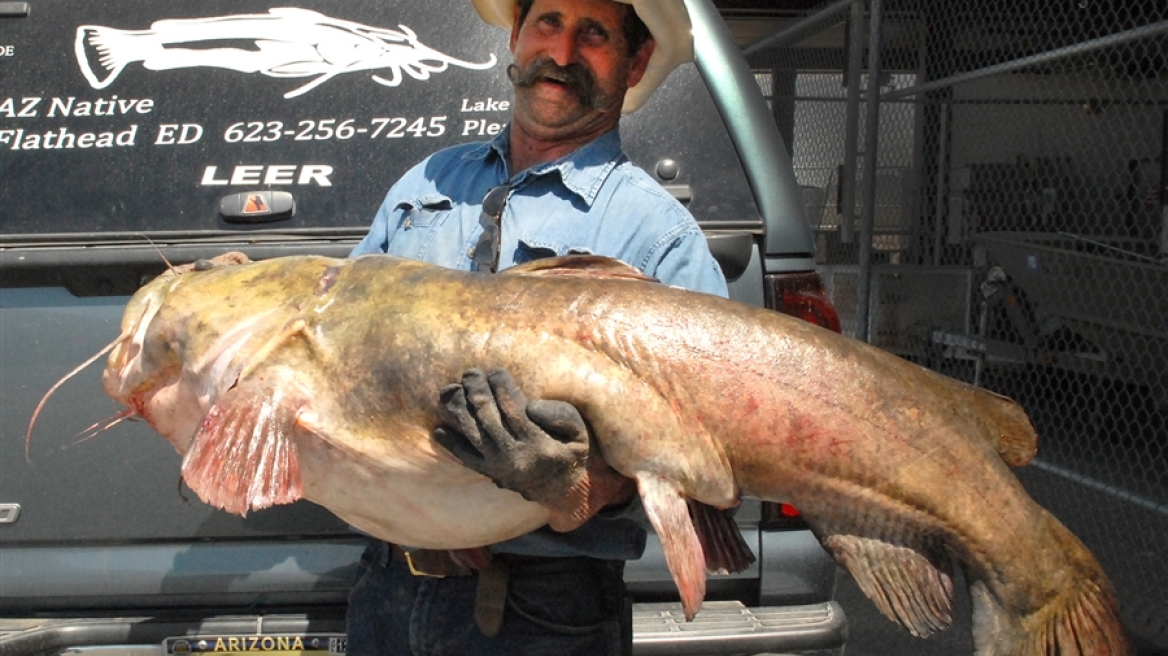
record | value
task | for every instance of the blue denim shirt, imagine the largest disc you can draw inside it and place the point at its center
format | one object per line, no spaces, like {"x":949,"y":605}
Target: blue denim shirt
{"x":591,"y":201}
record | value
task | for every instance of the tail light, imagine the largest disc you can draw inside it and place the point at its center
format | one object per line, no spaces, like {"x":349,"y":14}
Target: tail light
{"x":779,"y":515}
{"x":800,"y":295}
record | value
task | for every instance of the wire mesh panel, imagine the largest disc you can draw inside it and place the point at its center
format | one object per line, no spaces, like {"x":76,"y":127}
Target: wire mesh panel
{"x":1019,"y":233}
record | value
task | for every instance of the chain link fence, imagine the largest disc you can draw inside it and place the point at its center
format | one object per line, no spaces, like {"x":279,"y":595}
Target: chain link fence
{"x":1010,"y":228}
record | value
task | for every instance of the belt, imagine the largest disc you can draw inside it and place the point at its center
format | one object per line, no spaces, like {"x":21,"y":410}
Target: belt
{"x":437,"y":563}
{"x":432,"y":562}
{"x":493,"y":575}
{"x":493,"y":572}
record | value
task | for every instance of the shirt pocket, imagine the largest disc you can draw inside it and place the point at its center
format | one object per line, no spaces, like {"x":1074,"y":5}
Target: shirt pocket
{"x":538,"y":247}
{"x":419,"y":220}
{"x":423,"y":211}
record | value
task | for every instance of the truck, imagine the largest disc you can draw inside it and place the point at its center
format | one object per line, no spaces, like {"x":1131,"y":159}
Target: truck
{"x":136,"y":133}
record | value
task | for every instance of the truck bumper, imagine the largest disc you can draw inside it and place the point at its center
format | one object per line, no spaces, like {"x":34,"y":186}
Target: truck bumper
{"x":722,"y":627}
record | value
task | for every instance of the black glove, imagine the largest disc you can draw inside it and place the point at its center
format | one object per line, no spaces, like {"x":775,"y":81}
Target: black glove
{"x":537,"y":448}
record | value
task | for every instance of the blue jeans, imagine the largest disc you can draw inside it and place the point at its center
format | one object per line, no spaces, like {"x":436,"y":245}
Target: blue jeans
{"x":555,"y":606}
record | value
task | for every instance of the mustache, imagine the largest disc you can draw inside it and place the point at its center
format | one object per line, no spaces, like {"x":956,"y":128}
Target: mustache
{"x":576,"y":77}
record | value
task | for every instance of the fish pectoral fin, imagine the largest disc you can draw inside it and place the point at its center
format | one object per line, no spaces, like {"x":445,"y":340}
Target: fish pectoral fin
{"x":725,"y":549}
{"x":668,"y":511}
{"x":600,"y":487}
{"x":909,"y":586}
{"x":243,"y":456}
{"x":579,"y":266}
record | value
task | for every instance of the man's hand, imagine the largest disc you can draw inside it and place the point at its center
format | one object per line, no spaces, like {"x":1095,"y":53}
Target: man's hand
{"x":537,"y":448}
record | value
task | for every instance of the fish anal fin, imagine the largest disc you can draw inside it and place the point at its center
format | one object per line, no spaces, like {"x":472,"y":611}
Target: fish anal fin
{"x":579,"y":266}
{"x":243,"y":456}
{"x":668,"y":511}
{"x":908,"y":586}
{"x":725,"y":549}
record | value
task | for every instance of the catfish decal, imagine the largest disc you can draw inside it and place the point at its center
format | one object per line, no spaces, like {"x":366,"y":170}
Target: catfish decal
{"x":287,"y":42}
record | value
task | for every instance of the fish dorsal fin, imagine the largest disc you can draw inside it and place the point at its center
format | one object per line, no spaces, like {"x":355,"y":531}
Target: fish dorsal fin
{"x":908,"y":586}
{"x":668,"y":511}
{"x":243,"y":457}
{"x":579,"y":266}
{"x":1005,"y":423}
{"x":725,"y":550}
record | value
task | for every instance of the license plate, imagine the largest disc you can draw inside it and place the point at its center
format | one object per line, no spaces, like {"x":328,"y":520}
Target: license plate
{"x":248,"y":645}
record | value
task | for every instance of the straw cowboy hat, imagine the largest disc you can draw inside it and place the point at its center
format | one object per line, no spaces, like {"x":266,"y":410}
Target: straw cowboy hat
{"x":667,"y":21}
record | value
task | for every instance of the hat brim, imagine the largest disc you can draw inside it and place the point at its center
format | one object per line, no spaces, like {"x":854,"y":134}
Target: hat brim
{"x":667,"y":20}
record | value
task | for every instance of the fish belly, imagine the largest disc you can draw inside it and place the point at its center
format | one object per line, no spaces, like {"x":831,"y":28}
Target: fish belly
{"x":429,"y":504}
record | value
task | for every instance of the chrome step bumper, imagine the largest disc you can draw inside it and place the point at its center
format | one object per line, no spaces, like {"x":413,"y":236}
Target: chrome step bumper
{"x":730,"y":627}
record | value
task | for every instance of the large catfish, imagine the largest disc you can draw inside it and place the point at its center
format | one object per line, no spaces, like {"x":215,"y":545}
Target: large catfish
{"x":317,"y":378}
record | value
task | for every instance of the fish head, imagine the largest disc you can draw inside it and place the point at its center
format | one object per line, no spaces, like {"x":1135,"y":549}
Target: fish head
{"x":145,"y":368}
{"x":124,"y":369}
{"x":140,"y":363}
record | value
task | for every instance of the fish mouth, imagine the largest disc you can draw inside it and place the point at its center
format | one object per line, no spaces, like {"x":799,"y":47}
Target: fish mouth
{"x":126,"y":371}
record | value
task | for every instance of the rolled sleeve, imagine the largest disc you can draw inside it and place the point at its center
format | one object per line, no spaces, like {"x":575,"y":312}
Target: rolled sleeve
{"x":687,"y":262}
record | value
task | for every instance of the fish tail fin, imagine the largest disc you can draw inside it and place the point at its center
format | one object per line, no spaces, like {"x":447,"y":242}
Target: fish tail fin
{"x":102,"y":53}
{"x":910,"y":585}
{"x":1083,"y":622}
{"x":1080,"y":617}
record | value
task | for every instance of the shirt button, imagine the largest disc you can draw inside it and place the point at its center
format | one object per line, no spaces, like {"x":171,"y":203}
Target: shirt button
{"x":470,"y":252}
{"x":407,"y":223}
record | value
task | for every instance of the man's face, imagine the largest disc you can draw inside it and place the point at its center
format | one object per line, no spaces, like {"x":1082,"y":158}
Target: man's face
{"x":573,"y":67}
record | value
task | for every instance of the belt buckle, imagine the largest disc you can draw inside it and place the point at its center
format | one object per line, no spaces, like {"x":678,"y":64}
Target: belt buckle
{"x":416,"y":571}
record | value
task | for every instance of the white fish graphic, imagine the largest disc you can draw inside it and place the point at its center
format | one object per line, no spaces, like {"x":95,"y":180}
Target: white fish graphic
{"x":287,"y":42}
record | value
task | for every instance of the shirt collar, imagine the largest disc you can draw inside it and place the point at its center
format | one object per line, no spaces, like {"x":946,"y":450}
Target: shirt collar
{"x":581,"y":172}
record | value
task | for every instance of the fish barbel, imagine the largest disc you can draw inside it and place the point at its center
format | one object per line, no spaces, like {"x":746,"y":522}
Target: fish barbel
{"x":318,"y":378}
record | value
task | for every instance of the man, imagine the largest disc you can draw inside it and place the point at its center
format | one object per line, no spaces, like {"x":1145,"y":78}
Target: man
{"x":554,"y":182}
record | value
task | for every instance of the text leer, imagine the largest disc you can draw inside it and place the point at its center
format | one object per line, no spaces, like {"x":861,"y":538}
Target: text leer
{"x":271,"y":174}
